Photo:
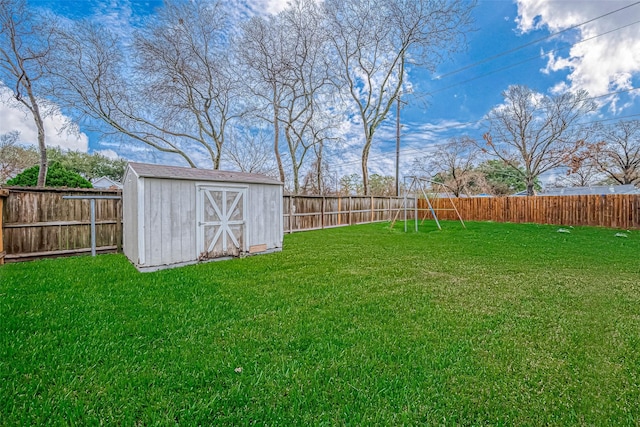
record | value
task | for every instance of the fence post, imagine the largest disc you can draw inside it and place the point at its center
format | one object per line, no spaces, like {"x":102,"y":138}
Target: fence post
{"x":291,"y":213}
{"x":322,"y":213}
{"x":3,"y":193}
{"x":120,"y":226}
{"x":92,"y":212}
{"x":371,"y":208}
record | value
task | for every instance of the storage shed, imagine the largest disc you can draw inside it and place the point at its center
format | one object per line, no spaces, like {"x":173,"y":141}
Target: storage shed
{"x":176,"y":216}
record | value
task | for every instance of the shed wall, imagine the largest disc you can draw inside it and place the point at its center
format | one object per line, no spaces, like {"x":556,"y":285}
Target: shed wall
{"x":161,"y":218}
{"x":130,"y":217}
{"x":264,"y":215}
{"x":170,"y":221}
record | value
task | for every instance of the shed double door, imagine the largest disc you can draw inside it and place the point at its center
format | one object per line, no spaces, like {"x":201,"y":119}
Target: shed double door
{"x":221,"y":224}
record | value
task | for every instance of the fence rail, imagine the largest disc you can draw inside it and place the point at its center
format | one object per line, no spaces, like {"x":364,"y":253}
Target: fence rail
{"x":37,"y":223}
{"x":303,"y":213}
{"x":613,"y":211}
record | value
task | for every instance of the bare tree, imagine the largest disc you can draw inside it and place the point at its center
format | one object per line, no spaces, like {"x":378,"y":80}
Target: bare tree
{"x":320,"y":179}
{"x":535,"y":131}
{"x":171,"y":88}
{"x":381,"y":185}
{"x":454,"y":164}
{"x":250,"y":152}
{"x":618,"y":153}
{"x":305,"y":83}
{"x":350,"y":185}
{"x":287,"y":56}
{"x":24,"y":47}
{"x":264,"y":54}
{"x":14,"y":158}
{"x":321,"y":171}
{"x":188,"y":68}
{"x":373,"y":40}
{"x":582,"y":169}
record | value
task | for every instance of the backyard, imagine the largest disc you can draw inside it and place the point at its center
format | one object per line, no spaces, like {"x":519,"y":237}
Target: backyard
{"x":498,"y":324}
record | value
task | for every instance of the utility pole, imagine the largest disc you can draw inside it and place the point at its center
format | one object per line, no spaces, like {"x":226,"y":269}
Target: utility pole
{"x":398,"y":145}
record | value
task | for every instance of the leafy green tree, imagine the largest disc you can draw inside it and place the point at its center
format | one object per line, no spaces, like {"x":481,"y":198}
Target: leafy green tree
{"x":90,"y":166}
{"x":57,"y":176}
{"x":503,"y":178}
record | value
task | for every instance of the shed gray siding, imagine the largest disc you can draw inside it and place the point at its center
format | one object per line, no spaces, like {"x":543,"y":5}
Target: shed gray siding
{"x":170,"y":221}
{"x":265,"y":219}
{"x":161,"y":213}
{"x":130,"y":216}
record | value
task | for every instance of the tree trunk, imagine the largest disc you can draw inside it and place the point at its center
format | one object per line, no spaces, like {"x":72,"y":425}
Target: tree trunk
{"x":37,"y":117}
{"x":530,"y":189}
{"x":365,"y":170}
{"x":319,"y":170}
{"x":296,"y":181}
{"x":44,"y":164}
{"x":216,"y":159}
{"x":276,"y":136}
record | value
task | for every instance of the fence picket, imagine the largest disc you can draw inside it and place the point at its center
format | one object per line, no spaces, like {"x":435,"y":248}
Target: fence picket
{"x":37,"y":221}
{"x":613,"y":211}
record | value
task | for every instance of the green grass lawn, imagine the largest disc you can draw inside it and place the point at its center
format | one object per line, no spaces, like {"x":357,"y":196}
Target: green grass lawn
{"x":499,"y":324}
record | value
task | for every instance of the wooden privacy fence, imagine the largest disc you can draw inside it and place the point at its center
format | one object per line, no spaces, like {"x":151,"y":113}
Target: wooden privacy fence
{"x":303,"y":213}
{"x":613,"y":211}
{"x":39,"y":222}
{"x":36,"y":223}
{"x":3,"y":194}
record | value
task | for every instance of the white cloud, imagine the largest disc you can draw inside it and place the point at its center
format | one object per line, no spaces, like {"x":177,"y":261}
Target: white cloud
{"x":14,"y":118}
{"x":417,"y":140}
{"x":267,"y":6}
{"x":115,"y":14}
{"x":110,"y":154}
{"x":600,"y":65}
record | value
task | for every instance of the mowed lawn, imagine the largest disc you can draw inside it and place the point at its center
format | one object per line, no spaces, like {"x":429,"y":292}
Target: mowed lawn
{"x":499,"y":324}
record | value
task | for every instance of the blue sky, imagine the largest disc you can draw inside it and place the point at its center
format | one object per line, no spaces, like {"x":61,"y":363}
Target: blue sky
{"x":602,"y":56}
{"x":600,"y":63}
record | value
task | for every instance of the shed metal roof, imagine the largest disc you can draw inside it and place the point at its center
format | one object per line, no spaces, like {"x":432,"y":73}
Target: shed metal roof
{"x":147,"y":170}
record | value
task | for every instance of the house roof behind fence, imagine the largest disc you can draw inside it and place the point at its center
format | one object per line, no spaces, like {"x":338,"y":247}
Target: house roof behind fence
{"x":105,"y":182}
{"x":596,"y":190}
{"x":147,"y":170}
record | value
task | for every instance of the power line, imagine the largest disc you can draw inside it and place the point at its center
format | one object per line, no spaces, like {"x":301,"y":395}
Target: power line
{"x":515,"y":49}
{"x":408,"y":150}
{"x":420,"y":149}
{"x":610,"y":119}
{"x":442,"y":89}
{"x":467,"y":124}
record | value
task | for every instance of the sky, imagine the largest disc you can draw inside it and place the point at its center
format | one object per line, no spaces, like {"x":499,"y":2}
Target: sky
{"x":549,"y":46}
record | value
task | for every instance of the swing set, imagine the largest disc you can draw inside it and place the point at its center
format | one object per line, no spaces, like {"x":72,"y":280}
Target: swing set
{"x":418,"y":187}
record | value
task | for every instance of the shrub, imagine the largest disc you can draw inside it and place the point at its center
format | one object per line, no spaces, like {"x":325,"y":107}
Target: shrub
{"x":57,"y":176}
